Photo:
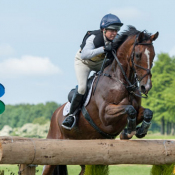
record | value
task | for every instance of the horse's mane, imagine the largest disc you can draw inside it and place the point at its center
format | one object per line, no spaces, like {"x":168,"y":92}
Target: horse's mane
{"x":131,"y":31}
{"x":119,"y":40}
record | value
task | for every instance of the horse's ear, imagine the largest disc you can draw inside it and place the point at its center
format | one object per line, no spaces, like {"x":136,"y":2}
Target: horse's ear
{"x":140,"y":37}
{"x":154,"y":37}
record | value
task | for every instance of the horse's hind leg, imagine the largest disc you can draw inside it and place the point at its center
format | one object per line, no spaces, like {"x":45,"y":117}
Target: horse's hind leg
{"x":82,"y":169}
{"x":48,"y":169}
{"x":54,"y":133}
{"x":147,"y":117}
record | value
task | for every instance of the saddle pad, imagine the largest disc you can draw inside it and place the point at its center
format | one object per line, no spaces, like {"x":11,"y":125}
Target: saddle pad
{"x":67,"y":106}
{"x":66,"y":109}
{"x":89,"y":93}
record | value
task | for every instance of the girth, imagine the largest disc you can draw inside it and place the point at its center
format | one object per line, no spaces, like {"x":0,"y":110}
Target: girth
{"x":88,"y":118}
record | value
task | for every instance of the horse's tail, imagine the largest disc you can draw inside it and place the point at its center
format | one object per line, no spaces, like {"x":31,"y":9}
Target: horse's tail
{"x":60,"y":170}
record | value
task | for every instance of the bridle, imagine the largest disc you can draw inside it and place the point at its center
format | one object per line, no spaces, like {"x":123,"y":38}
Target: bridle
{"x":132,"y":59}
{"x":129,"y":86}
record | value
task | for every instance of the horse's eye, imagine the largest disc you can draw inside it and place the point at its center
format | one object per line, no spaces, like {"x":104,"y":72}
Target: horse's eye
{"x":138,"y":55}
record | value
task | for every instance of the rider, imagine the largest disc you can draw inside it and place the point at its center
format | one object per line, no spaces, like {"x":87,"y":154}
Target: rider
{"x":90,"y":57}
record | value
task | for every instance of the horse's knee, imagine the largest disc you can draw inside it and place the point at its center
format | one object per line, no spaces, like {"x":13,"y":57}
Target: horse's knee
{"x":148,"y":115}
{"x":131,"y":111}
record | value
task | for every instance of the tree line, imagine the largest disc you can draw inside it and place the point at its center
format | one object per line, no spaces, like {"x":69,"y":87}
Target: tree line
{"x":20,"y":114}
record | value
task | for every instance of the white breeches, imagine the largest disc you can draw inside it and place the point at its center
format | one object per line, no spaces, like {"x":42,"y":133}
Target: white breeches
{"x":83,"y":69}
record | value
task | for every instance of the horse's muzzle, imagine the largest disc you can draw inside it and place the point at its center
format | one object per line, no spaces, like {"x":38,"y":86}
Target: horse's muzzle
{"x":145,"y":88}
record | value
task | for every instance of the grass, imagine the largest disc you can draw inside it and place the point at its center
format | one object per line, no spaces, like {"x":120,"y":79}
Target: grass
{"x":75,"y":169}
{"x":130,"y":169}
{"x":113,"y":169}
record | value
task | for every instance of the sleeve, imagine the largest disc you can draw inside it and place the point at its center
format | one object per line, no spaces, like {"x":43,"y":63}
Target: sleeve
{"x":89,"y":51}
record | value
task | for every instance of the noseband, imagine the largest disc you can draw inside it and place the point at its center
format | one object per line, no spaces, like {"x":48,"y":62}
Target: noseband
{"x":133,"y":87}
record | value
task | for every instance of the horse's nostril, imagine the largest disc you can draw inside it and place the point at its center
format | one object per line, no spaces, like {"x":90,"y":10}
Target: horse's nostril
{"x":143,"y":89}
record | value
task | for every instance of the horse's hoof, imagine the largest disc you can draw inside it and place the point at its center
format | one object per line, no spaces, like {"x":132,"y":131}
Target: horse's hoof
{"x":125,"y":136}
{"x":131,"y":134}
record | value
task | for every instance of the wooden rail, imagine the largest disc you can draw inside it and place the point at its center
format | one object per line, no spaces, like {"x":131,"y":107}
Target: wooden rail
{"x":18,"y":150}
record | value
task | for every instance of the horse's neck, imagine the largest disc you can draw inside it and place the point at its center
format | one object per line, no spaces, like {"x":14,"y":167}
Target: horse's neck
{"x":115,"y":68}
{"x":125,"y":50}
{"x":124,"y":54}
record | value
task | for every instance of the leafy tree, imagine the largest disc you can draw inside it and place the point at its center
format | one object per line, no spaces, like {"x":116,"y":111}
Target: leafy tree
{"x":161,"y":97}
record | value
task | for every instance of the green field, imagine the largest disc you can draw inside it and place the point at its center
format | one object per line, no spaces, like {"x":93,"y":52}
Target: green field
{"x":113,"y":169}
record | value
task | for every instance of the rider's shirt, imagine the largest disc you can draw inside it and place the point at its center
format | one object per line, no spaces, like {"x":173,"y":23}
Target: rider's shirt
{"x":90,"y":52}
{"x":92,"y":47}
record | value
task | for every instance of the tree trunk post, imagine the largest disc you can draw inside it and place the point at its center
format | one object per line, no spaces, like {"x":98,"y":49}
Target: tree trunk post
{"x":162,"y":126}
{"x":172,"y":128}
{"x":167,"y":128}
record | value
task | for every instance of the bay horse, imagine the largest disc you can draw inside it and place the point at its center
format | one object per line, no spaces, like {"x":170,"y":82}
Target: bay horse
{"x":116,"y":102}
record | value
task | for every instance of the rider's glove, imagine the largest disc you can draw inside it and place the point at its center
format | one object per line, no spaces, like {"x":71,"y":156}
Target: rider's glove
{"x":108,"y":48}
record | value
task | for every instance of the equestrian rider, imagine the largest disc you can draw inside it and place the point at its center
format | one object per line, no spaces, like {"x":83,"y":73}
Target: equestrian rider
{"x":90,"y":57}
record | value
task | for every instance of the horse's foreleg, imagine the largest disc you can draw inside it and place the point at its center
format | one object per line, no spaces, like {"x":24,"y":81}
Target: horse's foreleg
{"x":131,"y":126}
{"x":54,"y":133}
{"x":115,"y":113}
{"x":147,"y":117}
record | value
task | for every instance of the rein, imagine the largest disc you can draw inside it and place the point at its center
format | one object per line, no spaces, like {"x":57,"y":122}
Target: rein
{"x":132,"y":87}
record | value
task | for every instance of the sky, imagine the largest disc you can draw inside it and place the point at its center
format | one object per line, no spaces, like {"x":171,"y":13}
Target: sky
{"x":39,"y":40}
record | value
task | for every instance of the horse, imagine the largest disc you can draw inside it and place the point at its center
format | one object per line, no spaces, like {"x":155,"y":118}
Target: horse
{"x":116,"y":102}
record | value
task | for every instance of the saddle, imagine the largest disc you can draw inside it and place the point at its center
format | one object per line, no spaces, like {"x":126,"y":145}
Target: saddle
{"x":89,"y":83}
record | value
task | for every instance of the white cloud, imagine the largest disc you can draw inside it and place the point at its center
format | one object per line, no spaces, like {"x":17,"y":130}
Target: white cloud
{"x":6,"y":50}
{"x":27,"y":66}
{"x":128,"y":13}
{"x":172,"y":52}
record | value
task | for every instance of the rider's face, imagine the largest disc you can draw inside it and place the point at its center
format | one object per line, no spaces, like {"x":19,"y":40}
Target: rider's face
{"x":110,"y":34}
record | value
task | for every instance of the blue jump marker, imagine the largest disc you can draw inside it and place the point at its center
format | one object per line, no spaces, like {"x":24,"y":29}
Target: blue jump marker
{"x":2,"y":92}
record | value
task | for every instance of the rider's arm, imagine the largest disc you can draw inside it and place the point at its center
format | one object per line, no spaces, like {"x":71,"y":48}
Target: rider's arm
{"x":89,"y":50}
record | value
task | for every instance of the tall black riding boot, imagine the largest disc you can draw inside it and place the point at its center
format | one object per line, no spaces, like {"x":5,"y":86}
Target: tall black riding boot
{"x":69,"y":122}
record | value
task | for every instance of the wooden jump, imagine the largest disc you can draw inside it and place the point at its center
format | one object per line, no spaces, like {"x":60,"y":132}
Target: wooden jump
{"x":19,"y":150}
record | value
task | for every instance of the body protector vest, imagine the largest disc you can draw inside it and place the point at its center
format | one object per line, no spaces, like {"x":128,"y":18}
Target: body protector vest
{"x":98,"y":42}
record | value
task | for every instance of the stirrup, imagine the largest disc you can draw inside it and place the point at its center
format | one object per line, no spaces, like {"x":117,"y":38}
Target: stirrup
{"x":67,"y":127}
